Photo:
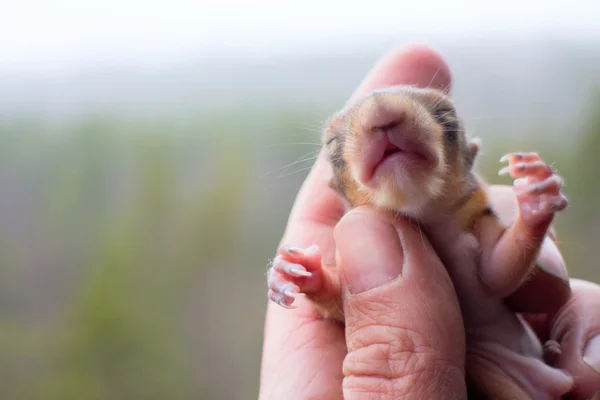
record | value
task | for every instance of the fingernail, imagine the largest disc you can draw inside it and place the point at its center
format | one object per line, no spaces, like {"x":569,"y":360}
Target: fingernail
{"x":368,"y":251}
{"x":591,"y":355}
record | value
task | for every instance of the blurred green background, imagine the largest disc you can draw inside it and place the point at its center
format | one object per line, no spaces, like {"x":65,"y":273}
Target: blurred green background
{"x":138,"y":212}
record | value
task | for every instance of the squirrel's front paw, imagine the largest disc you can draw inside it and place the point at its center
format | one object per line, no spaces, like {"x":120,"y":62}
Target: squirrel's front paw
{"x":294,"y":272}
{"x":536,"y":185}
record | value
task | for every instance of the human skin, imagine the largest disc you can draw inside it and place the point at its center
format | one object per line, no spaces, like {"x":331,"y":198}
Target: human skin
{"x":404,"y":335}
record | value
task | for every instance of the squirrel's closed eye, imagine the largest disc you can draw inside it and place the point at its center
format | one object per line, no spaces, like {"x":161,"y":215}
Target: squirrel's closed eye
{"x":331,"y":140}
{"x":442,"y":113}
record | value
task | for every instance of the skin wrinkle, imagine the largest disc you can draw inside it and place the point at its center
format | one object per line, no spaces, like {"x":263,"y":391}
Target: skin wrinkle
{"x":401,"y":386}
{"x":395,"y":346}
{"x":371,"y":309}
{"x":421,"y":381}
{"x":297,"y":345}
{"x":311,"y":382}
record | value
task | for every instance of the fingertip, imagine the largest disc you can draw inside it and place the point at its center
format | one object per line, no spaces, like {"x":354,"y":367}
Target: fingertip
{"x":414,"y":64}
{"x":369,"y":252}
{"x":353,"y":221}
{"x":418,"y":57}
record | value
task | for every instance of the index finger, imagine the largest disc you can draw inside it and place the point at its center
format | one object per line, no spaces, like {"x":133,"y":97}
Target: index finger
{"x":303,"y":354}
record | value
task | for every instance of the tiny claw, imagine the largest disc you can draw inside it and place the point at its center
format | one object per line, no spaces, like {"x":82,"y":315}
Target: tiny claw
{"x":288,"y":268}
{"x":504,"y":171}
{"x":299,"y":270}
{"x":520,"y":166}
{"x":515,"y":156}
{"x":521,"y":181}
{"x":294,"y":251}
{"x":292,"y":294}
{"x":280,"y":299}
{"x":283,"y":304}
{"x":559,"y":204}
{"x":291,"y":250}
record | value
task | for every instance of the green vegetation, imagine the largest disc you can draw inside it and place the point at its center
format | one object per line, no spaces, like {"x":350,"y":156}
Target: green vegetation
{"x":133,"y":254}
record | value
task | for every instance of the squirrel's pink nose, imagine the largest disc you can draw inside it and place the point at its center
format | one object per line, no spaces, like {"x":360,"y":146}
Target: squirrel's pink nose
{"x":379,"y":117}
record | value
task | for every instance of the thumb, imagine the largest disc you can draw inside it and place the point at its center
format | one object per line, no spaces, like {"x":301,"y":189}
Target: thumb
{"x":404,"y":330}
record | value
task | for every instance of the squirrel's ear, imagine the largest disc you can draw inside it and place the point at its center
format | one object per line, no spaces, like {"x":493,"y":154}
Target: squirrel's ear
{"x":473,"y":147}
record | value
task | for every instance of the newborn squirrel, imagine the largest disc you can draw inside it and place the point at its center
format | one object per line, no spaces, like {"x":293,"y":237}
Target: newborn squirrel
{"x":404,"y":150}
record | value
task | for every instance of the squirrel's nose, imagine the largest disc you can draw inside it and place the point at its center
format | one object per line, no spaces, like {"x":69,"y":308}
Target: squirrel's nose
{"x":379,"y":117}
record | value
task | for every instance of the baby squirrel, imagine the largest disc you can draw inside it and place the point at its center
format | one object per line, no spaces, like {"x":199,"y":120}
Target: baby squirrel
{"x":404,"y":150}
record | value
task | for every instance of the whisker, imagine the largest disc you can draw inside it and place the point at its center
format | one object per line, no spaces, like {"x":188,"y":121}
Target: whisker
{"x":293,"y":144}
{"x":421,"y":234}
{"x":295,"y":172}
{"x":309,"y":128}
{"x":278,"y":178}
{"x":439,"y":101}
{"x":445,"y":114}
{"x":305,"y":158}
{"x":433,"y":78}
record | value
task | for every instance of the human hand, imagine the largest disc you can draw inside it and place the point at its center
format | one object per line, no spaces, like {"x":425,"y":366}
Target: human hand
{"x":560,"y":309}
{"x":402,"y":334}
{"x":406,"y":335}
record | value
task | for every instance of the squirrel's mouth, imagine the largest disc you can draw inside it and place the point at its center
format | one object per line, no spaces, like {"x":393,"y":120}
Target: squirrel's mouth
{"x":390,"y":154}
{"x":391,"y":149}
{"x":408,"y":148}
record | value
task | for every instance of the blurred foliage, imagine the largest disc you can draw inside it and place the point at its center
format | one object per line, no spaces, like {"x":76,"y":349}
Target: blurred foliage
{"x":133,"y":255}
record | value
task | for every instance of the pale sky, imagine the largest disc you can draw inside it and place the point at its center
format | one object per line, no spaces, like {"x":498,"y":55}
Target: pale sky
{"x":38,"y":36}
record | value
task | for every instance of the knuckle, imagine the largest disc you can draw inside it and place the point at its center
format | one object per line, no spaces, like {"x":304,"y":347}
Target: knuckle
{"x":384,"y":310}
{"x":392,"y":359}
{"x":377,"y":355}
